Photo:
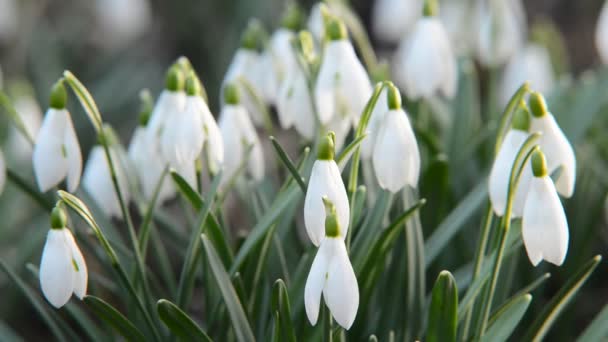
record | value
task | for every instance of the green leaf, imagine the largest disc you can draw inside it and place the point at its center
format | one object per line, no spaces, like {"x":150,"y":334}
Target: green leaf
{"x":552,"y":310}
{"x":240,"y":323}
{"x":528,"y":289}
{"x":186,"y":190}
{"x":503,"y":323}
{"x":114,"y":318}
{"x":443,"y":310}
{"x":288,"y":164}
{"x":598,"y":329}
{"x":280,"y":305}
{"x":10,"y":110}
{"x":86,"y":100}
{"x":7,"y":334}
{"x":179,"y":323}
{"x":505,"y":119}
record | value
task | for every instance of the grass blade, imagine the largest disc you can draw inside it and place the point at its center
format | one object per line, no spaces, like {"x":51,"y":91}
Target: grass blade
{"x":443,"y":312}
{"x":280,"y":305}
{"x":288,"y":164}
{"x":179,"y":323}
{"x":114,"y":318}
{"x":598,"y":329}
{"x":503,"y":323}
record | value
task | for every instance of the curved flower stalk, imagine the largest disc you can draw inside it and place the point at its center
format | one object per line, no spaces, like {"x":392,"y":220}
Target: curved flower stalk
{"x":325,"y":181}
{"x":532,"y":64}
{"x":57,"y":151}
{"x":170,"y":102}
{"x":294,"y":107}
{"x":63,"y":270}
{"x":601,"y":34}
{"x":544,"y":223}
{"x":393,"y":19}
{"x":396,"y":157}
{"x":498,"y":187}
{"x":425,"y":64}
{"x":343,"y":87}
{"x":500,"y":29}
{"x":19,"y":147}
{"x":455,"y":16}
{"x":555,"y":145}
{"x":121,"y":21}
{"x":240,"y":138}
{"x":332,"y":275}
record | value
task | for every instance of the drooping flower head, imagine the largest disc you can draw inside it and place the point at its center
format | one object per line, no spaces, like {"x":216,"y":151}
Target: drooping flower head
{"x":393,"y":19}
{"x":171,"y":101}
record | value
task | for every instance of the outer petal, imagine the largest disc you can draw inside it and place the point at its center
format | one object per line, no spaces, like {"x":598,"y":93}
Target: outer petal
{"x":167,"y":105}
{"x":341,"y":292}
{"x":392,"y":19}
{"x":325,"y":180}
{"x":601,"y":34}
{"x":250,"y":137}
{"x":74,"y":156}
{"x":56,"y":270}
{"x":558,"y":151}
{"x":17,"y":146}
{"x":354,"y":87}
{"x":544,"y":224}
{"x":81,"y":274}
{"x":396,"y":157}
{"x":214,"y":146}
{"x":499,"y":30}
{"x":531,"y":64}
{"x":50,"y":163}
{"x":315,"y":22}
{"x":98,"y":182}
{"x":183,"y":137}
{"x":233,"y":145}
{"x":316,"y":281}
{"x":325,"y":88}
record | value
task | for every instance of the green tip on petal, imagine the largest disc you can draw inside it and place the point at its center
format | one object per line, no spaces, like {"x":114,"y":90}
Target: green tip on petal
{"x":292,"y":18}
{"x":58,"y":218}
{"x":332,"y":227}
{"x":393,"y":97}
{"x":336,"y":30}
{"x":175,"y":79}
{"x":539,"y":163}
{"x":59,"y":96}
{"x":431,"y":8}
{"x":193,"y":85}
{"x":231,"y":94}
{"x":327,"y":147}
{"x":537,"y":104}
{"x":521,"y":117}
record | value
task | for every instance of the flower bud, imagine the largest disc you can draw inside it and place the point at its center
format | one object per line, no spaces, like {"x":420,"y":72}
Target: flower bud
{"x":231,"y":94}
{"x":327,"y":147}
{"x":521,"y":118}
{"x":332,"y":227}
{"x":59,"y":96}
{"x":537,"y":104}
{"x":252,"y":36}
{"x":539,"y":164}
{"x":58,"y":218}
{"x":306,"y":45}
{"x":175,"y":79}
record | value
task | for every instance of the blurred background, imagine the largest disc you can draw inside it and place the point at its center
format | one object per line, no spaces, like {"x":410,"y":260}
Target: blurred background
{"x":118,"y":47}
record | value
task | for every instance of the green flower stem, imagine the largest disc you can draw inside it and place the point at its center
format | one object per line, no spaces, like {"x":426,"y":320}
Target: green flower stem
{"x":505,"y":119}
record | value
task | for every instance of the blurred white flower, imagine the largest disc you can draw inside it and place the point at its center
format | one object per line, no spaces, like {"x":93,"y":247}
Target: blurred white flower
{"x":315,"y":24}
{"x":57,"y":151}
{"x":31,"y":115}
{"x":213,"y":147}
{"x":555,"y":145}
{"x":500,"y":29}
{"x":544,"y":224}
{"x":424,"y":63}
{"x":393,"y":19}
{"x":455,"y":16}
{"x":294,"y":104}
{"x":9,"y":20}
{"x":170,"y":102}
{"x":63,"y":270}
{"x":532,"y":64}
{"x":396,"y":157}
{"x":601,"y":34}
{"x":97,"y":180}
{"x":121,"y":21}
{"x":281,"y":61}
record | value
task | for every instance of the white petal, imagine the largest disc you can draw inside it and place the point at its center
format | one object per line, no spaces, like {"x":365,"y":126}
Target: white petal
{"x":98,"y":182}
{"x":294,"y":104}
{"x":396,"y":158}
{"x":500,"y":30}
{"x":74,"y":156}
{"x":544,"y":224}
{"x":325,"y":85}
{"x":315,"y":22}
{"x":50,"y":162}
{"x":532,"y":64}
{"x":558,"y":151}
{"x":249,"y":136}
{"x":353,"y":86}
{"x":81,"y":275}
{"x":17,"y":145}
{"x":183,"y":136}
{"x":167,"y":105}
{"x":214,"y":145}
{"x":376,"y":118}
{"x":601,"y":34}
{"x":56,"y":270}
{"x":392,"y":19}
{"x":325,"y":180}
{"x":316,"y":281}
{"x":341,"y":292}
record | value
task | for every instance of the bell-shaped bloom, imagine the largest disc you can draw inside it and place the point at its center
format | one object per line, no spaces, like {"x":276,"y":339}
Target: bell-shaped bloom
{"x":393,"y":19}
{"x":57,"y":151}
{"x":555,"y":145}
{"x":455,"y":16}
{"x":425,"y":64}
{"x":532,"y":64}
{"x":500,"y":27}
{"x":121,"y":21}
{"x":396,"y":158}
{"x":373,"y":126}
{"x":9,"y":19}
{"x":325,"y":181}
{"x":213,"y":148}
{"x":97,"y":180}
{"x":601,"y":34}
{"x":169,"y":104}
{"x":63,"y":270}
{"x":294,"y":106}
{"x":544,"y":223}
{"x":18,"y":147}
{"x":281,"y":60}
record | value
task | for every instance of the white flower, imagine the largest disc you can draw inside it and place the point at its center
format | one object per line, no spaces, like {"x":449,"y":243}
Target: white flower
{"x":343,"y":87}
{"x":544,"y":223}
{"x":393,"y":19}
{"x":532,"y":64}
{"x":500,"y":28}
{"x":121,"y":21}
{"x":424,"y":63}
{"x":281,"y":61}
{"x":57,"y":151}
{"x":294,"y":106}
{"x":455,"y":16}
{"x":31,"y":115}
{"x":377,"y":117}
{"x":396,"y":158}
{"x":9,"y":19}
{"x":214,"y":143}
{"x":97,"y":180}
{"x":63,"y":270}
{"x":167,"y":106}
{"x":601,"y":34}
{"x":554,"y":144}
{"x":325,"y":181}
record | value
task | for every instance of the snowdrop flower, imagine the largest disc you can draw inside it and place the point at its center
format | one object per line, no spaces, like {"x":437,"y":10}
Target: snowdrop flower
{"x":121,"y":21}
{"x":332,"y":275}
{"x":500,"y":30}
{"x":63,"y":270}
{"x":544,"y":223}
{"x":601,"y":34}
{"x":9,"y":19}
{"x":213,"y":147}
{"x":343,"y":87}
{"x":500,"y":175}
{"x":239,"y":136}
{"x":325,"y":180}
{"x":31,"y":115}
{"x":57,"y":151}
{"x":377,"y":116}
{"x":554,"y":144}
{"x":424,"y":63}
{"x":393,"y":19}
{"x":533,"y":64}
{"x":171,"y":101}
{"x":455,"y":16}
{"x":294,"y":107}
{"x":396,"y":158}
